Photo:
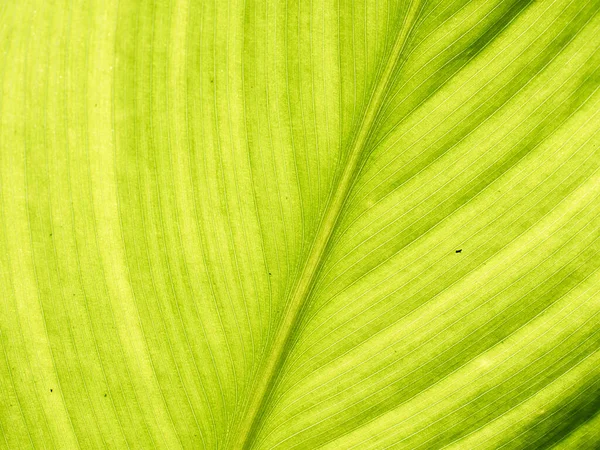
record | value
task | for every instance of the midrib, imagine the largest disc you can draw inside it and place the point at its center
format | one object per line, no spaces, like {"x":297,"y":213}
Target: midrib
{"x":248,"y":427}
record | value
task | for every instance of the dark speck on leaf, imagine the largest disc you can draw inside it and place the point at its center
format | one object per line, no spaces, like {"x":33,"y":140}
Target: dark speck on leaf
{"x":50,"y":390}
{"x":105,"y":395}
{"x":459,"y":250}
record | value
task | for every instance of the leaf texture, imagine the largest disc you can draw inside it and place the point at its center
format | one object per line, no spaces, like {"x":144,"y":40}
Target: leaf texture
{"x":281,"y":224}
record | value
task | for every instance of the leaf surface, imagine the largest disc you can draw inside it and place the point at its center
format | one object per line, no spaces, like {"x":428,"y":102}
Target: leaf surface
{"x":300,"y":224}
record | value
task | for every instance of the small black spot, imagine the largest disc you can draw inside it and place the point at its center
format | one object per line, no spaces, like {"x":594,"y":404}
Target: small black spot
{"x":269,"y":273}
{"x":50,"y":390}
{"x":105,"y":395}
{"x":459,"y":250}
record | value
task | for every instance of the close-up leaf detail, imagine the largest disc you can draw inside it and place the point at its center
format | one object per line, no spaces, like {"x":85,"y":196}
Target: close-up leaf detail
{"x":300,"y":224}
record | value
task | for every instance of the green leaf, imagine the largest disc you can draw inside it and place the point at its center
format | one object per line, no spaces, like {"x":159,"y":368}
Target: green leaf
{"x":290,"y":224}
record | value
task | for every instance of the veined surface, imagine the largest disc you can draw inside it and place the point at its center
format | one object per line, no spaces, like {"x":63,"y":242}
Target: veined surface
{"x":300,"y":224}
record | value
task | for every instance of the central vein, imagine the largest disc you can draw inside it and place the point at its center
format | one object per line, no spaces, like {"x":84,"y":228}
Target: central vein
{"x":271,"y":368}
